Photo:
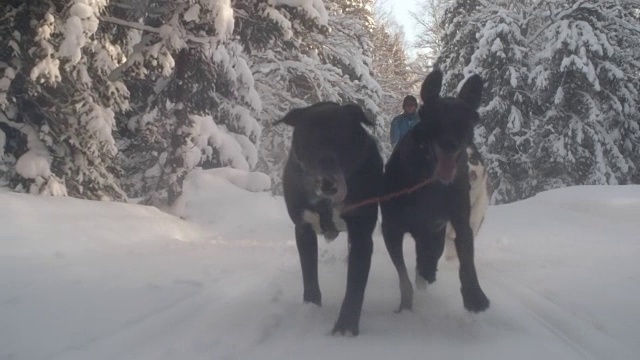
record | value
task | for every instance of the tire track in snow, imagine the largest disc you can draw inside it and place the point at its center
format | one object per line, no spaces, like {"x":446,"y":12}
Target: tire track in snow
{"x":101,"y":344}
{"x":198,"y":325}
{"x":580,"y":335}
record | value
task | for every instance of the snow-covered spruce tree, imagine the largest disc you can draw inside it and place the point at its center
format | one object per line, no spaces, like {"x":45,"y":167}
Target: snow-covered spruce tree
{"x":57,"y":103}
{"x":626,"y":39}
{"x":12,"y":141}
{"x":315,"y":65}
{"x":201,"y":110}
{"x":459,"y":42}
{"x":288,"y":74}
{"x":504,"y":135}
{"x":588,"y":133}
{"x":348,"y":47}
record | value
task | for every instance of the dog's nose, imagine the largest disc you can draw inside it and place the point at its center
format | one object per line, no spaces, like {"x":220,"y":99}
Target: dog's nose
{"x":328,"y":187}
{"x":472,"y":175}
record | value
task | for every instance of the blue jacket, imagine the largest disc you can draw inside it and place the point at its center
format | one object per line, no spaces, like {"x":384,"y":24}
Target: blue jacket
{"x":401,"y":124}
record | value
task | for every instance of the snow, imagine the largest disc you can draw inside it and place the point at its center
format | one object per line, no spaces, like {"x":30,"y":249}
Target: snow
{"x":245,"y":121}
{"x":192,"y":14}
{"x":48,"y":68}
{"x":74,"y":39}
{"x":52,"y":187}
{"x":314,"y":8}
{"x":100,"y":121}
{"x":283,"y":23}
{"x":515,"y":120}
{"x":250,"y":181}
{"x":83,"y":11}
{"x":5,"y":83}
{"x":36,"y":161}
{"x":97,"y":280}
{"x":231,"y":149}
{"x":3,"y":142}
{"x":224,"y":18}
{"x":171,"y":35}
{"x":33,"y":164}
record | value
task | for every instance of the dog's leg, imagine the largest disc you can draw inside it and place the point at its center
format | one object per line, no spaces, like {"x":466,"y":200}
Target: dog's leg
{"x":478,"y":211}
{"x":360,"y":229}
{"x":429,"y":248}
{"x":393,"y":240}
{"x":307,"y":243}
{"x":450,"y":246}
{"x":473,"y":297}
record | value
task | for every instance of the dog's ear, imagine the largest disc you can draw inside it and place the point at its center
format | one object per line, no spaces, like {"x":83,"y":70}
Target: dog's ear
{"x":471,"y":92}
{"x":431,"y":87}
{"x":292,"y":117}
{"x":354,"y":111}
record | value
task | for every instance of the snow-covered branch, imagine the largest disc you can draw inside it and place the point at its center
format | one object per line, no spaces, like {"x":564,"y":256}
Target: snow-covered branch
{"x":204,"y":40}
{"x":556,"y":17}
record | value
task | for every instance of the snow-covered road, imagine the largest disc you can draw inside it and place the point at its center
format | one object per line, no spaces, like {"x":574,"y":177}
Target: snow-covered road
{"x":90,"y":280}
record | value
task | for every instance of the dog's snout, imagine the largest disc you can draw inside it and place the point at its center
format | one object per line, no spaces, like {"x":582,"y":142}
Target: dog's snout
{"x":328,"y":186}
{"x":328,"y":164}
{"x":473,"y":176}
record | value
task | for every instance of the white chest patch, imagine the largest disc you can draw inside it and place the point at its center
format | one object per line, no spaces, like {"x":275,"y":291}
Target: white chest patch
{"x":313,"y":218}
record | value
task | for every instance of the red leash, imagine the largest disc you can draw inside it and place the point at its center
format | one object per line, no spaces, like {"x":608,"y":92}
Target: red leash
{"x":388,"y":197}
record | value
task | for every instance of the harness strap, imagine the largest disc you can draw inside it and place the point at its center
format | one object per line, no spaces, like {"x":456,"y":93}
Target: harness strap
{"x":387,"y":197}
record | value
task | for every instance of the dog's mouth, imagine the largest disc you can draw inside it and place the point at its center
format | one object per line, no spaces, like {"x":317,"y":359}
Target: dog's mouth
{"x":447,"y":165}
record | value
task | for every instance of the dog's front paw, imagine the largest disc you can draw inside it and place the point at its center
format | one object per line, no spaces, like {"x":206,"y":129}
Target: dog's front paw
{"x":331,"y":235}
{"x":428,"y":275}
{"x":345,"y":327}
{"x":474,"y":299}
{"x":312,"y":296}
{"x":405,"y":305}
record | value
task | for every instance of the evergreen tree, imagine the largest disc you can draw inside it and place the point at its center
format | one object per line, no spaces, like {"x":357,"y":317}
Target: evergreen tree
{"x":316,"y":65}
{"x":560,"y":89}
{"x":201,"y":110}
{"x":458,"y":42}
{"x":504,"y":135}
{"x":588,"y":133}
{"x":57,"y":103}
{"x":348,"y":47}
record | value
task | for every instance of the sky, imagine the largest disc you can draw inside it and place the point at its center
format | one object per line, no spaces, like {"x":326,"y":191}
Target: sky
{"x":401,"y":12}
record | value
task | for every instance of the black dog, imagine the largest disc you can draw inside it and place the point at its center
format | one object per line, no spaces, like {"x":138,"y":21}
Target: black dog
{"x":333,"y":163}
{"x":434,"y":149}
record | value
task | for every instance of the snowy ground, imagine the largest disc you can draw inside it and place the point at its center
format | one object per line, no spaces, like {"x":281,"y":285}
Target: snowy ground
{"x":92,"y":280}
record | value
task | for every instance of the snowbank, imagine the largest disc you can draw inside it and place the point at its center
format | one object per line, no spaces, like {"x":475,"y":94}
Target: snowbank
{"x":54,"y":225}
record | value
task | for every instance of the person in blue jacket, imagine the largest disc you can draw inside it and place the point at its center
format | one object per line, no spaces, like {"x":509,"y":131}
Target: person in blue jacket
{"x":402,"y":123}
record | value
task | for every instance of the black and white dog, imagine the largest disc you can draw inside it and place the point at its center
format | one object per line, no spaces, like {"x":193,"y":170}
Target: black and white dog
{"x":333,"y":163}
{"x":435,"y":149}
{"x":479,"y":197}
